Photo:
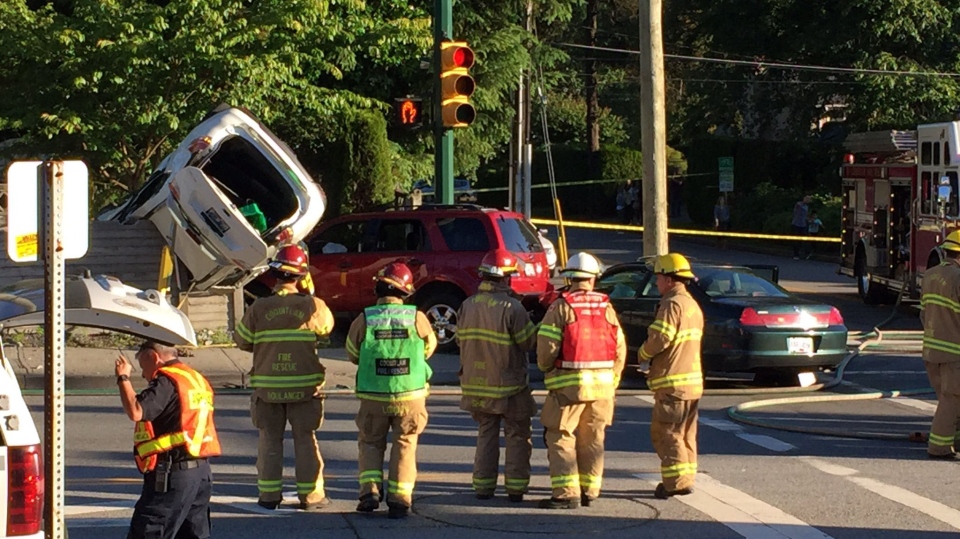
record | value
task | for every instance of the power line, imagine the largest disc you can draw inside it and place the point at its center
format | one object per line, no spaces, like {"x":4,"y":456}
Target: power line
{"x":775,"y":65}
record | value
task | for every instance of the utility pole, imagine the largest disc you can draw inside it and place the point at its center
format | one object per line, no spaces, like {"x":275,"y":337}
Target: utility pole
{"x":524,"y":204}
{"x":653,"y":139}
{"x":443,"y":138}
{"x":592,"y":96}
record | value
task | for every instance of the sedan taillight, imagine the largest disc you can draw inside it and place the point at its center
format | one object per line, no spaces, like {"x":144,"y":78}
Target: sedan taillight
{"x":25,"y":490}
{"x":835,"y":318}
{"x":799,"y":319}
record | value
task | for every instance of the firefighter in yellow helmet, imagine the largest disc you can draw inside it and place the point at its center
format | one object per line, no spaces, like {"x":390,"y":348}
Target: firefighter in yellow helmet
{"x":390,"y":343}
{"x":940,"y":315}
{"x":582,"y":351}
{"x":495,"y":333}
{"x":672,"y":349}
{"x":282,"y":331}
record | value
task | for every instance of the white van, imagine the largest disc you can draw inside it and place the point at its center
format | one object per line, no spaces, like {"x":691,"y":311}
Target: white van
{"x":100,"y":301}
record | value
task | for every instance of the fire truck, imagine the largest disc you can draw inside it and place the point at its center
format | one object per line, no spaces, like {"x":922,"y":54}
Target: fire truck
{"x":899,"y":202}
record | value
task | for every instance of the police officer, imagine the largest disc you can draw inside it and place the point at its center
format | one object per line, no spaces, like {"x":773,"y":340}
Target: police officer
{"x":495,"y":333}
{"x":672,"y":349}
{"x":581,"y":348}
{"x":390,"y":344}
{"x":173,"y":437}
{"x":282,"y":331}
{"x":940,"y":315}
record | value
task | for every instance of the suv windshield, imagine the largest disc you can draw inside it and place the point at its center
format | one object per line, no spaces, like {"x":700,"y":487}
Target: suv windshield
{"x":519,"y":236}
{"x":721,"y":282}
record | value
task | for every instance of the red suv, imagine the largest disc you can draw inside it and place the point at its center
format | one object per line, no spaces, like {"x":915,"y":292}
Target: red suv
{"x":443,"y":245}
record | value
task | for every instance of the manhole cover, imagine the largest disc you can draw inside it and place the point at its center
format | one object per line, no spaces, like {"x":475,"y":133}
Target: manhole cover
{"x":499,"y":515}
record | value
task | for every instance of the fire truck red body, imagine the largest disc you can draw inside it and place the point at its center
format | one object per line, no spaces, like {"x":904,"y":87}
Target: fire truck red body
{"x":893,"y":221}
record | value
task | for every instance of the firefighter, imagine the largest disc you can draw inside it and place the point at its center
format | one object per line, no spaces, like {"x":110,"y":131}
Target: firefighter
{"x":495,"y":333}
{"x":390,"y":343}
{"x":940,"y":315}
{"x":582,"y":351}
{"x":672,"y":349}
{"x":173,"y":437}
{"x":282,"y":331}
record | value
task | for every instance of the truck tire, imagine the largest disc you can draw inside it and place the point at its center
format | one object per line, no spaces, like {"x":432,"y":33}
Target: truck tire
{"x":441,"y":310}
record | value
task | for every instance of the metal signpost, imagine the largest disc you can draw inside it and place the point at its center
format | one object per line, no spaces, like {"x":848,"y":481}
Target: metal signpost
{"x":65,"y":234}
{"x":726,"y":174}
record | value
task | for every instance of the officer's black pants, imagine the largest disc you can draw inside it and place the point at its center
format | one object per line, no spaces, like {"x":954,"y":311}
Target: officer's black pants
{"x":182,"y":512}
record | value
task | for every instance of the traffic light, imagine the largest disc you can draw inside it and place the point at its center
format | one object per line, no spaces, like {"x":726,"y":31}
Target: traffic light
{"x":408,"y":112}
{"x":456,"y":59}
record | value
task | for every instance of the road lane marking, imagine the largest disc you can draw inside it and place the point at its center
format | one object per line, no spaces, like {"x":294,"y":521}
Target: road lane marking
{"x":926,"y":406}
{"x":762,"y":440}
{"x":902,"y":496}
{"x":742,"y":513}
{"x":76,"y":510}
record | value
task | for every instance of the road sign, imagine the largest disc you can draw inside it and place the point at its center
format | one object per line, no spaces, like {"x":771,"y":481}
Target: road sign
{"x":23,"y":206}
{"x":726,"y":174}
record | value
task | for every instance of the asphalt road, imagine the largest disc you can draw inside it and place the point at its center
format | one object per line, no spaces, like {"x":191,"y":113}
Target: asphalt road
{"x":754,"y":482}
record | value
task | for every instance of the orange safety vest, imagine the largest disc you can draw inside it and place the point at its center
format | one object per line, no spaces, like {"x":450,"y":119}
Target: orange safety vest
{"x":197,"y":431}
{"x":590,"y":341}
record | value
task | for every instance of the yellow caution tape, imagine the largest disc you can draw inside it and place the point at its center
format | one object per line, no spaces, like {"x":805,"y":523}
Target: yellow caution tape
{"x":689,"y":232}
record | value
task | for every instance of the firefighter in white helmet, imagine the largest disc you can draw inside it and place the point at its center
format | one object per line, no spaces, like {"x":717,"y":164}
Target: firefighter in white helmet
{"x":582,"y":351}
{"x":940,"y":315}
{"x":495,"y":333}
{"x":672,"y":349}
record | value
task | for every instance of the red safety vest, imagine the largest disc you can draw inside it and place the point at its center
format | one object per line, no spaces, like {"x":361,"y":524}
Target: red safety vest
{"x":590,"y":341}
{"x":196,"y":432}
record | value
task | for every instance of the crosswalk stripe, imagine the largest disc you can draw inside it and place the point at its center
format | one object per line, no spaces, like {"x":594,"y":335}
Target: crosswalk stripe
{"x":742,"y":513}
{"x":926,"y":406}
{"x":932,"y":508}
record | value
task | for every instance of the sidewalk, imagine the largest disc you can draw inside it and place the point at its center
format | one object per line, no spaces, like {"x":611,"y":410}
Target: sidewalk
{"x":92,"y":368}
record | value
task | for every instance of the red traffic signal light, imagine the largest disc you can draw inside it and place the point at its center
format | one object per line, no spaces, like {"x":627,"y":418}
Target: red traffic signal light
{"x":456,"y":58}
{"x":408,"y":112}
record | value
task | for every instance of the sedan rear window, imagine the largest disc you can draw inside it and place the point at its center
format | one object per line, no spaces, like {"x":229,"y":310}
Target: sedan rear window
{"x":720,"y":282}
{"x":518,"y":236}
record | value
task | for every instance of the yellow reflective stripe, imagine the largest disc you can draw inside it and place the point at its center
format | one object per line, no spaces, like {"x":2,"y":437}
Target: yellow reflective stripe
{"x":484,"y":483}
{"x":943,"y":346}
{"x":662,"y":326}
{"x":371,"y":476}
{"x":590,"y":481}
{"x":676,"y":380}
{"x":579,"y":378}
{"x":269,"y":381}
{"x":352,"y":349}
{"x":307,"y":488}
{"x":485,"y":335}
{"x":559,"y":481}
{"x":551,"y":332}
{"x":266,"y":485}
{"x":526,"y":332}
{"x":206,"y":406}
{"x":161,"y":444}
{"x":140,"y":434}
{"x":945,"y":441}
{"x":688,"y":335}
{"x":489,"y":391}
{"x":516,"y":483}
{"x":395,"y":487}
{"x":244,"y":332}
{"x":393,"y":397}
{"x":644,"y":356}
{"x":937,"y":299}
{"x":677,"y":470}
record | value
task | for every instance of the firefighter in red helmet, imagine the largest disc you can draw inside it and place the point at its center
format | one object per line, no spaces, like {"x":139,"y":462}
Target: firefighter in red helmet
{"x":390,"y":343}
{"x":282,"y":331}
{"x":495,"y":333}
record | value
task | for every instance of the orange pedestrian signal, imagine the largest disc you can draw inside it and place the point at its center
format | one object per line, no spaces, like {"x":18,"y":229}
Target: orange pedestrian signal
{"x":408,"y":112}
{"x":456,"y":59}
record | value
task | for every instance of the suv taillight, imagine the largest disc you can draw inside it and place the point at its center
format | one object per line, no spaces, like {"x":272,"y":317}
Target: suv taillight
{"x":25,"y":490}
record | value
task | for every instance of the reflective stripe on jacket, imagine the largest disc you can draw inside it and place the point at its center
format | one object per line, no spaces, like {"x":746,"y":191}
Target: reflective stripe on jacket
{"x":590,"y":340}
{"x":197,"y":432}
{"x":282,"y":332}
{"x":393,"y":366}
{"x":494,"y":333}
{"x":673,"y":346}
{"x":577,"y":385}
{"x":940,"y":312}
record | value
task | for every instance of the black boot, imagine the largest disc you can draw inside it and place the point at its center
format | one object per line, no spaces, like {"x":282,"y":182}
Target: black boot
{"x":586,"y":500}
{"x":368,"y":503}
{"x":397,"y":510}
{"x":559,"y":503}
{"x":515,"y":498}
{"x":661,"y":493}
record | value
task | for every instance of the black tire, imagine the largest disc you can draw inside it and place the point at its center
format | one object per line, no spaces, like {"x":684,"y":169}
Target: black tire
{"x":441,"y":310}
{"x":776,"y":378}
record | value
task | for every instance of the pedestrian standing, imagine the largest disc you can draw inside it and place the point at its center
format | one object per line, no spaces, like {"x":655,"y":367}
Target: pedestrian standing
{"x":173,"y":438}
{"x":630,"y":198}
{"x":672,"y":349}
{"x":582,"y":351}
{"x":721,"y":218}
{"x":390,"y":343}
{"x":799,"y":223}
{"x":813,"y":229}
{"x":940,"y":315}
{"x":622,"y":205}
{"x":495,"y":333}
{"x":282,"y":331}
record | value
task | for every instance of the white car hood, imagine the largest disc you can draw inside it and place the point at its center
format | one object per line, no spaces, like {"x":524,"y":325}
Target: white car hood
{"x":101,"y":302}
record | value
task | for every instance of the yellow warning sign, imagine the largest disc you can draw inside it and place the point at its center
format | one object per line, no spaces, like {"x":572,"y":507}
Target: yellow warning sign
{"x":26,"y":246}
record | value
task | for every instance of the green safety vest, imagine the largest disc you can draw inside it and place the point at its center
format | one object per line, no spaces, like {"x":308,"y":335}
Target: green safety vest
{"x":393,"y":365}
